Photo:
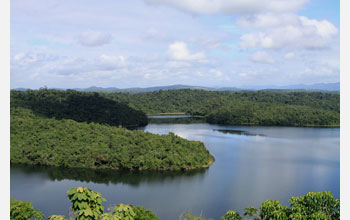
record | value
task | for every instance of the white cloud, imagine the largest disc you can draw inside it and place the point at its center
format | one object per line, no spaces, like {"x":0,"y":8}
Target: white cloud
{"x":25,"y":59}
{"x":119,"y":60}
{"x":143,"y":39}
{"x":177,"y":64}
{"x":267,"y":20}
{"x":216,"y":73}
{"x":289,"y":55}
{"x":298,"y":32}
{"x":153,"y":33}
{"x":230,"y":6}
{"x":94,"y":38}
{"x":179,"y":51}
{"x":107,"y":62}
{"x":323,"y":28}
{"x":262,"y":57}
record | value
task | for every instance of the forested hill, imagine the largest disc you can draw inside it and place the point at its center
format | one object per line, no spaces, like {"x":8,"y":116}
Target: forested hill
{"x":38,"y":140}
{"x":237,"y":108}
{"x":78,"y":106}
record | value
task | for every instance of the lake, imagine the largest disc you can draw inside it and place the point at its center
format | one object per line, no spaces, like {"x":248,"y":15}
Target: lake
{"x":252,"y":164}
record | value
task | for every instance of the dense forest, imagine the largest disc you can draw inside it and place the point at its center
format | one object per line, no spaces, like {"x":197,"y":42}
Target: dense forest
{"x":88,"y":205}
{"x":286,"y":108}
{"x":77,"y":129}
{"x":78,"y":106}
{"x":67,"y":143}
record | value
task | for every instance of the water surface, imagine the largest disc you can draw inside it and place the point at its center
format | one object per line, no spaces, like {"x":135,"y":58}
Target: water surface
{"x":276,"y":163}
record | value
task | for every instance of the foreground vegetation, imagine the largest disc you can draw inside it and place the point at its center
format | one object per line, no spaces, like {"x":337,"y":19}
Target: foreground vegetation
{"x":241,"y":108}
{"x":87,"y":205}
{"x":38,"y":140}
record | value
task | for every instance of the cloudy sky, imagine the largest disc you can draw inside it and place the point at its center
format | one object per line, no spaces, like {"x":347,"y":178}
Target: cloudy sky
{"x":142,"y":43}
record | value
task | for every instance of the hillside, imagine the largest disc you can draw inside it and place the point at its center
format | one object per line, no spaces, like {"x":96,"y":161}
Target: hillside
{"x":78,"y":106}
{"x":38,"y":140}
{"x":237,"y":108}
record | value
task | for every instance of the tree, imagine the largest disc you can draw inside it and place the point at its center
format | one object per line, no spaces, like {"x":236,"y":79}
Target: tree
{"x":87,"y":205}
{"x":231,"y":215}
{"x":23,"y":210}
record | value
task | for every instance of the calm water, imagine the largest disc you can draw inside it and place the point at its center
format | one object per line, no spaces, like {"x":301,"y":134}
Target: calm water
{"x":252,"y":164}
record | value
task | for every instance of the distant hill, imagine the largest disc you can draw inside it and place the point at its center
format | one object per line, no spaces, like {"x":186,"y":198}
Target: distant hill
{"x":311,"y":87}
{"x":94,"y":88}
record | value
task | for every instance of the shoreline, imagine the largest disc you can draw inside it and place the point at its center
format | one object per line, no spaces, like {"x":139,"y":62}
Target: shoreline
{"x":211,"y":161}
{"x":243,"y":124}
{"x":168,"y":113}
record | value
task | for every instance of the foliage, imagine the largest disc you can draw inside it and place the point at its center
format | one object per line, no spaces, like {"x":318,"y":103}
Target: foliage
{"x":66,"y":143}
{"x":272,"y":209}
{"x":78,"y":106}
{"x":231,"y":215}
{"x":121,"y":211}
{"x":311,"y":206}
{"x":189,"y":216}
{"x":240,"y":108}
{"x":315,"y":205}
{"x":23,"y":210}
{"x":271,"y":114}
{"x":250,"y":211}
{"x":57,"y":217}
{"x":86,"y":203}
{"x":143,"y":214}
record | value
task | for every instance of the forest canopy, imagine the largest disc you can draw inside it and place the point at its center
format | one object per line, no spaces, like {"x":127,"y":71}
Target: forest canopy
{"x":78,"y":129}
{"x":38,"y":140}
{"x":282,"y":108}
{"x":78,"y":106}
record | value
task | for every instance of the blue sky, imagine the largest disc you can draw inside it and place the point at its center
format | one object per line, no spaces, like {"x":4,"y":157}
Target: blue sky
{"x":142,"y":43}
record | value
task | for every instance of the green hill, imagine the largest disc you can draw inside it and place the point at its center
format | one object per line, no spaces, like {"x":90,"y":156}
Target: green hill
{"x":78,"y":106}
{"x":282,"y":108}
{"x":38,"y":140}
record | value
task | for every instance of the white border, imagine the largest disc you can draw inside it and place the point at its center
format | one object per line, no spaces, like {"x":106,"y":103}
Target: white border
{"x":5,"y":108}
{"x":344,"y":108}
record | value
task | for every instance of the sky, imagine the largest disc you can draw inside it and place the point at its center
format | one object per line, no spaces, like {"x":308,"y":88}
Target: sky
{"x":144,"y":43}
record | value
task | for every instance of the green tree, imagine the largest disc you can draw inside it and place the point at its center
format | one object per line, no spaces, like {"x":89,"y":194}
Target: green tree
{"x":86,"y":203}
{"x":251,"y":212}
{"x":231,"y":215}
{"x":315,"y":205}
{"x":23,"y":210}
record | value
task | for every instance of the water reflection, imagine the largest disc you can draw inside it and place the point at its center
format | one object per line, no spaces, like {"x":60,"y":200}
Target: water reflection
{"x":132,"y":178}
{"x":238,"y":132}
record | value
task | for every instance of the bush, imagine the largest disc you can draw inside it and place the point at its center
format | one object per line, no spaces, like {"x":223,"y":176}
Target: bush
{"x":23,"y":210}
